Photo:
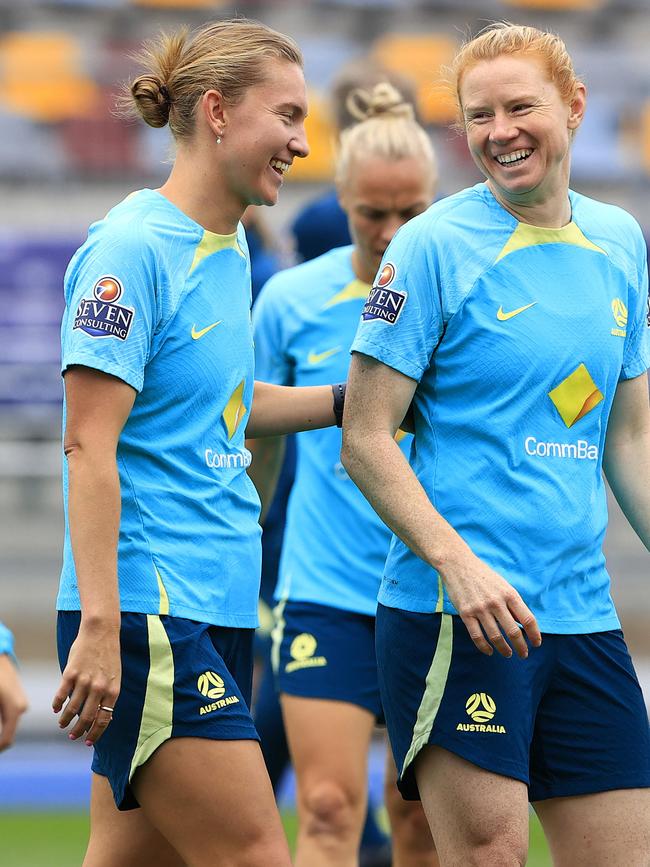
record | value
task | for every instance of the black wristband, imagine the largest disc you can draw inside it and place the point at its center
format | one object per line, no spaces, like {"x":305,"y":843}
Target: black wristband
{"x":338,"y":390}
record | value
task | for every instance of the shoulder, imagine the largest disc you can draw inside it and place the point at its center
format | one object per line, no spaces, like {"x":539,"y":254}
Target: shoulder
{"x":612,"y":229}
{"x":456,"y":238}
{"x":459,"y":217}
{"x":310,"y":281}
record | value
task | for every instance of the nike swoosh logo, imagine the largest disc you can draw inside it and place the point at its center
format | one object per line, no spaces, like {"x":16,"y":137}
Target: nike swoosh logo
{"x":317,"y":357}
{"x":197,"y":335}
{"x":503,"y":317}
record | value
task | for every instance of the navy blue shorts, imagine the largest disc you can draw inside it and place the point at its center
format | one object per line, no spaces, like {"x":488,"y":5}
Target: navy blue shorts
{"x":569,"y":720}
{"x":324,"y":652}
{"x":180,"y":678}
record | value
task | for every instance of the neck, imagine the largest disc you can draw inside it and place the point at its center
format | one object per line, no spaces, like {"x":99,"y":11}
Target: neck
{"x":548,"y":206}
{"x":362,"y":271}
{"x":202,"y":194}
{"x":545,"y":215}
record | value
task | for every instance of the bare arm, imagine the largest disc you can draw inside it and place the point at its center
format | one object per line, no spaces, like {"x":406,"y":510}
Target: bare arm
{"x":284,"y":409}
{"x":268,"y":454}
{"x":98,"y":406}
{"x":13,"y":701}
{"x":626,"y":459}
{"x":377,"y":400}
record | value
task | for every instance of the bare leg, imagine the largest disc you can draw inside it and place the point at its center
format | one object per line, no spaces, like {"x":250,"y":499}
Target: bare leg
{"x":329,"y":743}
{"x":601,"y":830}
{"x":477,"y":818}
{"x":123,"y":839}
{"x":412,"y":841}
{"x":214,"y":803}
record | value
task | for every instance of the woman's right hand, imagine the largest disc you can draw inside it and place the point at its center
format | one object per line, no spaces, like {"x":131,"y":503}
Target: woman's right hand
{"x":90,"y":681}
{"x":490,"y":607}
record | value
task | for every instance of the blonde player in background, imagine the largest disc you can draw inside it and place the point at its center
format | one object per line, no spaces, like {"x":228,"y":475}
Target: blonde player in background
{"x":335,"y":545}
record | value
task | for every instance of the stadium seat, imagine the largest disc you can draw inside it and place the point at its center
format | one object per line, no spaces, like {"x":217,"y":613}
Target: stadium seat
{"x":555,"y":5}
{"x":41,"y":76}
{"x":181,"y":4}
{"x":422,"y":58}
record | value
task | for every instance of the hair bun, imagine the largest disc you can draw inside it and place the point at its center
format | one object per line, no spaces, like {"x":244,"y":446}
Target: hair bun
{"x":382,"y":100}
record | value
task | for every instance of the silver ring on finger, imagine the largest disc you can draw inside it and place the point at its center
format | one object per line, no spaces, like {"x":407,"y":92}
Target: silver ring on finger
{"x":106,"y":708}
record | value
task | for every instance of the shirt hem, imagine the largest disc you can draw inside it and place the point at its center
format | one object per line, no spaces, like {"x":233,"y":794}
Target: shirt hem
{"x":213,"y":618}
{"x":389,"y":357}
{"x":101,"y":364}
{"x":548,"y":625}
{"x":341,"y":604}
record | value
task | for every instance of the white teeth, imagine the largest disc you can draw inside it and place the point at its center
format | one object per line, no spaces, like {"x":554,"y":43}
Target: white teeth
{"x":504,"y":159}
{"x":278,"y":164}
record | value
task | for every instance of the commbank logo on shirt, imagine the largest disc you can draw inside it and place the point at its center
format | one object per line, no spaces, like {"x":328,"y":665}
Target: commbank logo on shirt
{"x":232,"y":416}
{"x":235,"y":410}
{"x":576,"y":395}
{"x":101,"y":316}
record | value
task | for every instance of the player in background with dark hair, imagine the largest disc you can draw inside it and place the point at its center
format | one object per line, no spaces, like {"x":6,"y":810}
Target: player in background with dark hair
{"x":512,"y":316}
{"x":160,"y":579}
{"x":324,"y":654}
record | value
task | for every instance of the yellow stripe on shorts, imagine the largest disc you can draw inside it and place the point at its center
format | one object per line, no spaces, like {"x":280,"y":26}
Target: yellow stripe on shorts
{"x":434,"y":688}
{"x":277,"y":634}
{"x":157,"y":713}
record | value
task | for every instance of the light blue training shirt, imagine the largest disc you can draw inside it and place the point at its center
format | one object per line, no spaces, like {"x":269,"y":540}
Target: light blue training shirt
{"x":517,"y":337}
{"x":163,"y":304}
{"x":334,"y":545}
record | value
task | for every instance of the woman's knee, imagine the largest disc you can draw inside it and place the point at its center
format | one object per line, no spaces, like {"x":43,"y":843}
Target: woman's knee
{"x":331,"y":807}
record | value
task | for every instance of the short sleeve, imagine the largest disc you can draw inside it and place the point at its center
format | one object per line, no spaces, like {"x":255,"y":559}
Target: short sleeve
{"x":272,"y":363}
{"x":6,"y":641}
{"x":401,"y":323}
{"x":636,"y":358}
{"x":111,"y":305}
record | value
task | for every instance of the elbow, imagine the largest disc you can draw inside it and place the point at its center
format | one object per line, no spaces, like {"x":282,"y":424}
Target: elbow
{"x":349,"y":453}
{"x":71,"y":447}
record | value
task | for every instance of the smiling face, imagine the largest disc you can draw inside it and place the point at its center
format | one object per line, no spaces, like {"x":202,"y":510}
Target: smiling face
{"x":519,"y":130}
{"x":379,"y":196}
{"x":263,"y":133}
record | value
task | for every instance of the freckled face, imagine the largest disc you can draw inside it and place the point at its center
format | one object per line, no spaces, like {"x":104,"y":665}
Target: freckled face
{"x":379,"y":196}
{"x":264,"y":133}
{"x":519,"y":127}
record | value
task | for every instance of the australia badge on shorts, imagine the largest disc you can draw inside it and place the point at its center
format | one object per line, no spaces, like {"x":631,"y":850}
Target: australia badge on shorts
{"x":384,"y":304}
{"x":101,"y":315}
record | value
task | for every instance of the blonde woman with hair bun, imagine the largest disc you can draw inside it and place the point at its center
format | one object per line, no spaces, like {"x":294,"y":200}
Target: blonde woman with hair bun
{"x":160,"y":579}
{"x":513,"y":317}
{"x":334,"y":545}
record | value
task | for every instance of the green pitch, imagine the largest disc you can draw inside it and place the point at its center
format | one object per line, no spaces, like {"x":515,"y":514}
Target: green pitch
{"x":59,"y":839}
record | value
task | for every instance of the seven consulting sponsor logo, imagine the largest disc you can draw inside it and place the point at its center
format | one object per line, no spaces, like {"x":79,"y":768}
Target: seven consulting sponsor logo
{"x":384,"y":304}
{"x":211,"y":685}
{"x":481,"y":708}
{"x":575,"y":397}
{"x":302,"y":650}
{"x":101,"y":315}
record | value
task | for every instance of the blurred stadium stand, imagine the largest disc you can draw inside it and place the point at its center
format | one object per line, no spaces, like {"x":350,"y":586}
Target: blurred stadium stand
{"x":64,"y":157}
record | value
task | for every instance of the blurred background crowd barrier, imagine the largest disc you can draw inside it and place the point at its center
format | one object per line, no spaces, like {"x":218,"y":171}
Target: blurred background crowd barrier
{"x":65,"y":158}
